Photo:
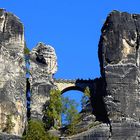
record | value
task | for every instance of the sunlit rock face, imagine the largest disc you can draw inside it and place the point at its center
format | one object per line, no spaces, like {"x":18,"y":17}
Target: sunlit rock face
{"x":43,"y":65}
{"x":12,"y":74}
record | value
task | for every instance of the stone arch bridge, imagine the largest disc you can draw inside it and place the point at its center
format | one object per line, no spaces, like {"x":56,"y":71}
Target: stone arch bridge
{"x":65,"y":85}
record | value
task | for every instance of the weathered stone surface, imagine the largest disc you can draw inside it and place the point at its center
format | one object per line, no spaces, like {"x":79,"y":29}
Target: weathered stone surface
{"x":119,"y":52}
{"x":43,"y":65}
{"x":5,"y":136}
{"x":12,"y":74}
{"x":126,"y":130}
{"x":100,"y":132}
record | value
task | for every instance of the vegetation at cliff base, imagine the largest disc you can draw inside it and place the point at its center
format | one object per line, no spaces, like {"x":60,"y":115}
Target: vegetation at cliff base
{"x":70,"y":115}
{"x":53,"y":111}
{"x":59,"y":112}
{"x":36,"y":131}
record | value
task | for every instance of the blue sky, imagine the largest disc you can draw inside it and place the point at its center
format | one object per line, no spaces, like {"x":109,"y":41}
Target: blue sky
{"x":72,"y":27}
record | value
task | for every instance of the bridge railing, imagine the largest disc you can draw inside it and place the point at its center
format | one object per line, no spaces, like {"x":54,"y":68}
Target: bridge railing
{"x":73,"y":81}
{"x":64,"y":80}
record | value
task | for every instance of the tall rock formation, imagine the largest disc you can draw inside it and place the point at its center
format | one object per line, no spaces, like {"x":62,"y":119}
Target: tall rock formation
{"x":119,"y":51}
{"x":119,"y":55}
{"x":12,"y":75}
{"x":43,"y":65}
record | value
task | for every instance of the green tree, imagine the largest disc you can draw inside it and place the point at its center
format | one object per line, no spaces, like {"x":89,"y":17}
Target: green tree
{"x":70,"y":114}
{"x":54,"y":109}
{"x":36,"y":131}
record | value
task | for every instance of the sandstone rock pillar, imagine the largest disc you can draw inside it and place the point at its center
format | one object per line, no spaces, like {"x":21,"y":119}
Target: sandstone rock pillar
{"x":12,"y":75}
{"x":43,"y":65}
{"x":119,"y":51}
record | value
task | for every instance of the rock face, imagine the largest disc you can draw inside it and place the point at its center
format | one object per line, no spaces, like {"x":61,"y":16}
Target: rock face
{"x":121,"y":131}
{"x":12,"y":75}
{"x":119,"y":52}
{"x":100,"y":132}
{"x":5,"y":136}
{"x":43,"y":65}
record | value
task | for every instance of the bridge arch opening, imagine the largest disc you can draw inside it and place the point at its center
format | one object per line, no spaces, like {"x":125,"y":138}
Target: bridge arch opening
{"x":75,"y":96}
{"x":72,"y":88}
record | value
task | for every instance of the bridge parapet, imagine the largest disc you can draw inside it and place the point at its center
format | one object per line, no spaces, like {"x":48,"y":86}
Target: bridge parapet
{"x":73,"y":81}
{"x":65,"y":84}
{"x":64,"y":81}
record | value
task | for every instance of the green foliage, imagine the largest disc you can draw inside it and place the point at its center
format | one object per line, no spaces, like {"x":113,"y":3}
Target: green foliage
{"x":26,"y":50}
{"x":68,"y":109}
{"x":9,"y":124}
{"x":53,"y":112}
{"x":74,"y":121}
{"x":70,"y":113}
{"x":36,"y":131}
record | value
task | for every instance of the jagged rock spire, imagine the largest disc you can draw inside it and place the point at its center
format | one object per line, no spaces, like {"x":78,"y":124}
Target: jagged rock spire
{"x":43,"y":64}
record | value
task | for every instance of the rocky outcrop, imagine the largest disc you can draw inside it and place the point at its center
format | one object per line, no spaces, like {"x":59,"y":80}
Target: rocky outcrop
{"x":5,"y":136}
{"x":43,"y":65}
{"x":119,"y":52}
{"x":100,"y":132}
{"x":12,"y":75}
{"x":125,"y":130}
